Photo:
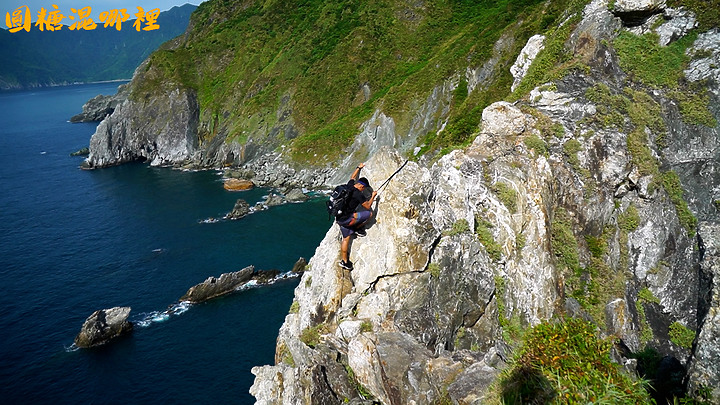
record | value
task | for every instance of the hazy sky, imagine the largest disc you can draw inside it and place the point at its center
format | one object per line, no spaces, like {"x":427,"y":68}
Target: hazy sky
{"x":98,"y":6}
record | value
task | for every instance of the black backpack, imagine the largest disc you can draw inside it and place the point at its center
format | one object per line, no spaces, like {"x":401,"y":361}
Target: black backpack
{"x":337,"y":206}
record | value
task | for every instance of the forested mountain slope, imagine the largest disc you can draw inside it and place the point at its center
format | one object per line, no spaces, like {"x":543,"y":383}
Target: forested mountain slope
{"x":46,"y":58}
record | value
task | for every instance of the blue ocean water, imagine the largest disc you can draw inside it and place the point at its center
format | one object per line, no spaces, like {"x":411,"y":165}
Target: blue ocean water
{"x":74,"y":241}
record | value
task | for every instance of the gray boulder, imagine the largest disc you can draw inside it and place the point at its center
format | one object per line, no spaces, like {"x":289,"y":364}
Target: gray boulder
{"x":679,"y":23}
{"x":637,"y":12}
{"x":102,"y":326}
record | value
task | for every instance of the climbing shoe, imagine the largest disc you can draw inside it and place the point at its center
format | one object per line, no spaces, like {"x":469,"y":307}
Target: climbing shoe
{"x":360,"y":232}
{"x":346,"y":265}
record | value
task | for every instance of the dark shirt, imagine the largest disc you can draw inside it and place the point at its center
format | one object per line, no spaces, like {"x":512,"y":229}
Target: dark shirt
{"x":356,"y":198}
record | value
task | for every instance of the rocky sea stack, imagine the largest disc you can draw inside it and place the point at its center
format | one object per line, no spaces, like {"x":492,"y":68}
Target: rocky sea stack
{"x":104,"y":325}
{"x":240,"y":210}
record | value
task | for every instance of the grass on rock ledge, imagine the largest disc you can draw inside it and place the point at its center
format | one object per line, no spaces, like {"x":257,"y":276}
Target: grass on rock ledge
{"x":562,"y":361}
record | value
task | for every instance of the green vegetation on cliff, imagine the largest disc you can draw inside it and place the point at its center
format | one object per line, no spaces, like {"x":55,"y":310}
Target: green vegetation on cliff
{"x":644,"y":114}
{"x":332,"y":64}
{"x":564,"y":362}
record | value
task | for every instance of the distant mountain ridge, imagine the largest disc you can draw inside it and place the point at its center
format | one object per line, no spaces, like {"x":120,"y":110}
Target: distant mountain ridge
{"x":48,"y":58}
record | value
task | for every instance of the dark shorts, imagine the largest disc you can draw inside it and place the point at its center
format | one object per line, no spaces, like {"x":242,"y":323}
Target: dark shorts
{"x":348,"y":226}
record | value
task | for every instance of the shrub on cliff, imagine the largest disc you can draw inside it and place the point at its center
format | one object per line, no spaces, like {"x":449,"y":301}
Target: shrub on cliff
{"x":564,"y":362}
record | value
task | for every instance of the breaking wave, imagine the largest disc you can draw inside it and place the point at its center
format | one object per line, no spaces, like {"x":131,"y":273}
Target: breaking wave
{"x":146,"y":319}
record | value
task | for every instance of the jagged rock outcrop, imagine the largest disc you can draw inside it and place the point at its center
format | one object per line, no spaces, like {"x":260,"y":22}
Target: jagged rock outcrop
{"x":215,"y":287}
{"x":104,"y":325}
{"x":100,"y":106}
{"x":296,"y":195}
{"x":240,"y":210}
{"x":426,"y":277}
{"x":526,"y":58}
{"x":299,"y":266}
{"x":679,"y":23}
{"x":707,"y":66}
{"x":273,"y":200}
{"x":421,"y":286}
{"x":81,"y":152}
{"x":127,"y":135}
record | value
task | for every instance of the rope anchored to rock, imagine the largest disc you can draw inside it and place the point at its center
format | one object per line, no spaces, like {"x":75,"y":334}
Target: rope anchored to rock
{"x":385,"y":183}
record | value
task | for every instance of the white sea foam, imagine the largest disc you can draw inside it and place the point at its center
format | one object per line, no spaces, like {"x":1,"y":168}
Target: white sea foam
{"x":180,"y":308}
{"x":250,"y":284}
{"x":148,"y":318}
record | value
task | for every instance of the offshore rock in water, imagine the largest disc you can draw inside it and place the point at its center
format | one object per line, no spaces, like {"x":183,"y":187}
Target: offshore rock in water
{"x":300,"y":266}
{"x":215,"y":287}
{"x":265,"y":276}
{"x":102,"y":326}
{"x":240,"y":210}
{"x":238,"y":185}
{"x":273,"y":200}
{"x":296,"y":195}
{"x":81,"y":152}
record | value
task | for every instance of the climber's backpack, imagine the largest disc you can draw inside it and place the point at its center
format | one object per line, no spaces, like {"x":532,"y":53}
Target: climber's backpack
{"x":337,"y":205}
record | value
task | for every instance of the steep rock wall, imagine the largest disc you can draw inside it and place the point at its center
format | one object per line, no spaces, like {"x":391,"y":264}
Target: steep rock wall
{"x":578,"y":225}
{"x":129,"y":134}
{"x":429,"y":308}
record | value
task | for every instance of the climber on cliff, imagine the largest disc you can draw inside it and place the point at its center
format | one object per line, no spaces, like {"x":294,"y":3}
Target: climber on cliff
{"x":356,"y":214}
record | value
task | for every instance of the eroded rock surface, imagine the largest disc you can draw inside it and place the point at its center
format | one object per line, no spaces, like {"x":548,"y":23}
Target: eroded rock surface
{"x":104,"y":325}
{"x":217,"y":286}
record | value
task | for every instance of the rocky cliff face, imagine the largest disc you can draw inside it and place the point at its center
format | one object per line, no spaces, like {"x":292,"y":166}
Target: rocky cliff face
{"x":160,"y":130}
{"x":100,"y":106}
{"x":549,"y":212}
